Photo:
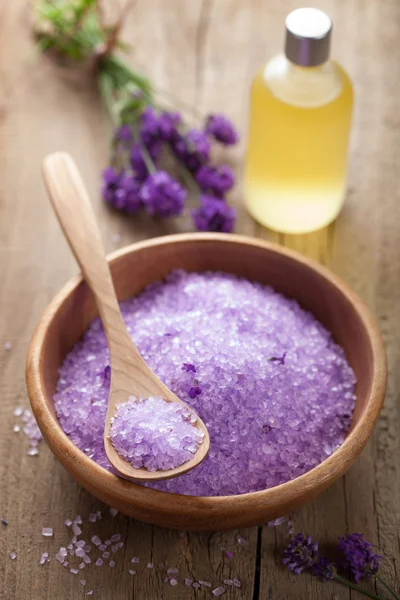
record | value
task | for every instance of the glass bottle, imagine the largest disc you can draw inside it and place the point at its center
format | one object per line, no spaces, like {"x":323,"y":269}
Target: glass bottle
{"x":300,"y":113}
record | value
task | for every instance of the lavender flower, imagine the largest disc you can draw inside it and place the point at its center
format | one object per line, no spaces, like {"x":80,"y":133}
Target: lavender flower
{"x":123,"y":133}
{"x":193,"y":149}
{"x":278,"y":359}
{"x":215,"y":179}
{"x":194,"y":391}
{"x":358,"y":556}
{"x":300,"y":554}
{"x":221,"y":129}
{"x":199,"y":144}
{"x":121,"y":190}
{"x":138,"y":163}
{"x":324,"y":569}
{"x":168,"y":126}
{"x":149,"y":126}
{"x":162,"y":195}
{"x":214,"y":215}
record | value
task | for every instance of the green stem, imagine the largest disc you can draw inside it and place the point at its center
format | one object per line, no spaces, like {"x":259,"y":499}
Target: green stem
{"x":389,"y":589}
{"x":106,"y":89}
{"x":151,"y":167}
{"x":356,"y":587}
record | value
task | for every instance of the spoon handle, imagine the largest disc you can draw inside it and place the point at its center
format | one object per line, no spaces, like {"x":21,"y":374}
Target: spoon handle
{"x":72,"y":206}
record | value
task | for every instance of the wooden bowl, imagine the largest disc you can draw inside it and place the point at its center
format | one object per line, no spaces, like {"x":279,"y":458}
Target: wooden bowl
{"x":133,"y":267}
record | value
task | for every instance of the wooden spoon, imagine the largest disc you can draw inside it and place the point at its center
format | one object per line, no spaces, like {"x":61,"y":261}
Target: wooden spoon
{"x":130,"y":375}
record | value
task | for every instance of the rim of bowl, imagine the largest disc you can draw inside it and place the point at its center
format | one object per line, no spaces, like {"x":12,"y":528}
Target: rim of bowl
{"x":328,"y":470}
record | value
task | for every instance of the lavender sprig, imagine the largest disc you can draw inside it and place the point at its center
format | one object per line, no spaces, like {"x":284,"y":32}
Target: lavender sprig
{"x":355,"y":556}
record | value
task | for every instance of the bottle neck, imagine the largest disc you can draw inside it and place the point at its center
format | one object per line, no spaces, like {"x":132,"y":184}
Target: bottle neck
{"x":303,"y":86}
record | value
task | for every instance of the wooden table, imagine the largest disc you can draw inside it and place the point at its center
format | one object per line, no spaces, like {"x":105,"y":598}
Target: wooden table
{"x":205,"y":53}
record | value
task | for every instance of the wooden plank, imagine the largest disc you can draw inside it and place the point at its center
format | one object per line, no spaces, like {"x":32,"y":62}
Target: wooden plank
{"x":210,"y":65}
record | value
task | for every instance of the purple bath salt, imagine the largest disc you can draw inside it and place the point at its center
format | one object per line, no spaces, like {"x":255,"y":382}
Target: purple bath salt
{"x":269,"y":420}
{"x":155,"y":434}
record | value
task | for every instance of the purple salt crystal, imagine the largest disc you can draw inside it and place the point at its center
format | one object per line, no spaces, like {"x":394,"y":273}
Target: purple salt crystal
{"x":18,"y":411}
{"x":205,"y":583}
{"x":43,"y":558}
{"x":154,"y":434}
{"x":78,"y":519}
{"x":173,"y":582}
{"x":113,"y":512}
{"x":131,"y":572}
{"x":228,"y":581}
{"x":150,"y":566}
{"x":7,"y":346}
{"x":83,"y":582}
{"x":135,"y":559}
{"x":303,"y":430}
{"x":99,"y":562}
{"x":195,"y":585}
{"x":65,"y":563}
{"x":115,"y":537}
{"x":188,"y":582}
{"x":236,"y":582}
{"x":92,"y":518}
{"x":16,"y":428}
{"x":172,"y":571}
{"x":87,"y":547}
{"x":90,"y":593}
{"x":218,"y":591}
{"x":241,"y":541}
{"x":80,"y":552}
{"x":68,"y":522}
{"x":4,"y":521}
{"x":277,"y":522}
{"x":102,"y":547}
{"x":96,"y":540}
{"x":76,"y":529}
{"x":74,"y":539}
{"x":74,"y":571}
{"x":111,"y":563}
{"x":105,"y":555}
{"x":115,"y":548}
{"x":82,"y":565}
{"x":107,"y":543}
{"x":228,"y":554}
{"x":86,"y":559}
{"x":47,"y":531}
{"x":32,"y":452}
{"x":80,"y":544}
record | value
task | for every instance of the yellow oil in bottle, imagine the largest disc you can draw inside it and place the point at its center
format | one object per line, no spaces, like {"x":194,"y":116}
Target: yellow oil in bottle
{"x":297,"y":145}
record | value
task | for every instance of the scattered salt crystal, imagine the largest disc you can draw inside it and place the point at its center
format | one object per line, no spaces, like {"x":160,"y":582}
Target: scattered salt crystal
{"x":228,"y":581}
{"x":92,"y":517}
{"x":7,"y":346}
{"x":196,"y":585}
{"x":96,"y":540}
{"x":80,"y":543}
{"x":90,"y":593}
{"x":47,"y":531}
{"x":16,"y":428}
{"x":206,"y":583}
{"x":113,"y":512}
{"x":78,"y":519}
{"x":99,"y":514}
{"x":277,"y":522}
{"x":82,"y":565}
{"x":70,"y":547}
{"x":115,"y":548}
{"x":83,"y":582}
{"x":290,"y":523}
{"x":105,"y":555}
{"x":74,"y":571}
{"x":116,"y":537}
{"x":166,"y":579}
{"x":102,"y":547}
{"x":76,"y":529}
{"x":87,"y":547}
{"x":150,"y":566}
{"x":80,"y":552}
{"x":107,"y":543}
{"x":188,"y":582}
{"x":32,"y":452}
{"x":173,"y":582}
{"x":172,"y":570}
{"x":68,"y":522}
{"x":236,"y":582}
{"x":18,"y":410}
{"x":86,"y":559}
{"x":65,"y":563}
{"x":241,"y":541}
{"x":74,"y":539}
{"x":135,"y":559}
{"x":218,"y":591}
{"x":43,"y":558}
{"x":111,"y":563}
{"x":131,"y":572}
{"x":4,"y":521}
{"x":13,"y":555}
{"x":99,"y":562}
{"x":228,"y":554}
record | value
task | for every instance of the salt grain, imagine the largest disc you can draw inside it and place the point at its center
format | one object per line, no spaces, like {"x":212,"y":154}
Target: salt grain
{"x":195,"y":585}
{"x":173,"y":582}
{"x":172,"y":570}
{"x":228,"y":581}
{"x":74,"y":571}
{"x":13,"y":555}
{"x":135,"y":559}
{"x":111,"y":563}
{"x":18,"y":411}
{"x":76,"y":529}
{"x":116,"y":537}
{"x":43,"y":558}
{"x":188,"y":582}
{"x":277,"y":522}
{"x":16,"y":428}
{"x":241,"y":541}
{"x":4,"y":521}
{"x":113,"y":512}
{"x":96,"y":540}
{"x":47,"y":531}
{"x":92,"y":518}
{"x":90,"y":593}
{"x":291,"y":415}
{"x":83,"y":582}
{"x":236,"y":582}
{"x":131,"y":572}
{"x":205,"y":583}
{"x":99,"y":562}
{"x":68,"y":522}
{"x":218,"y":591}
{"x":150,"y":566}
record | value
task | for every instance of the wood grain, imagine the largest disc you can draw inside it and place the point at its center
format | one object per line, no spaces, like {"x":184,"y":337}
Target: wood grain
{"x":206,"y":53}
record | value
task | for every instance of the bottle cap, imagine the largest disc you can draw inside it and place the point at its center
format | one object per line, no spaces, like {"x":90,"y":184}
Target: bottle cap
{"x":308,"y":33}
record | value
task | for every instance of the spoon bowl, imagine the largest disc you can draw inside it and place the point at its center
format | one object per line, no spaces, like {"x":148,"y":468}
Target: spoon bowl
{"x":130,"y":375}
